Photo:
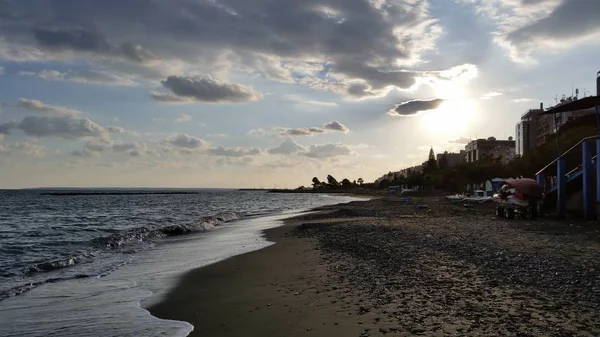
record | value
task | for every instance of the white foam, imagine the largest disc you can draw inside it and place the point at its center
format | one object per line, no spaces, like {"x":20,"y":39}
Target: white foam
{"x":110,"y":306}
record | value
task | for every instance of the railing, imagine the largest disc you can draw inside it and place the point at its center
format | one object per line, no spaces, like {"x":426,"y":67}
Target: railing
{"x":579,"y":167}
{"x":566,"y":152}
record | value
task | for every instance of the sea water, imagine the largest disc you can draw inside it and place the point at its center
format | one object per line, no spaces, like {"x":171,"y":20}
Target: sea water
{"x":87,"y":265}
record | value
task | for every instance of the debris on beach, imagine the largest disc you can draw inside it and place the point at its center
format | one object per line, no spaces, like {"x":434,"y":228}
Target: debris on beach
{"x":497,"y":275}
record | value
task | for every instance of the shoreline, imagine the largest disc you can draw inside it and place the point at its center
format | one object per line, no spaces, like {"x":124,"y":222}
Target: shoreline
{"x":267,"y":294}
{"x":379,"y":267}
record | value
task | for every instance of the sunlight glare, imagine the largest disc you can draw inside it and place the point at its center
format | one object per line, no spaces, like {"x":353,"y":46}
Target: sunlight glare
{"x":451,"y":118}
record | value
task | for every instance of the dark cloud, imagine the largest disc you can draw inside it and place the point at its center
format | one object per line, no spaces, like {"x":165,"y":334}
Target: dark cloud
{"x":76,"y":38}
{"x":413,"y":107}
{"x":136,"y":153}
{"x":73,"y":38}
{"x":361,"y":45}
{"x":571,"y":19}
{"x":69,"y":127}
{"x":7,"y":127}
{"x":204,"y":89}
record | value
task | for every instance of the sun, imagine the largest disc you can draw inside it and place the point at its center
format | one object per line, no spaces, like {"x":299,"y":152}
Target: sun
{"x":451,"y":118}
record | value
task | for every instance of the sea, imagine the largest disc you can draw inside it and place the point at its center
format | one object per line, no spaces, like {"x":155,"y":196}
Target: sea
{"x":87,"y":262}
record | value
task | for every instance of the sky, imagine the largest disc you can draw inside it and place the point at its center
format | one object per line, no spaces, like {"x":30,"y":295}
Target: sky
{"x":264,"y":93}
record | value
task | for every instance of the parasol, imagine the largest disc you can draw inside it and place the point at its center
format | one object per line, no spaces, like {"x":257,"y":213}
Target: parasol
{"x":526,"y":186}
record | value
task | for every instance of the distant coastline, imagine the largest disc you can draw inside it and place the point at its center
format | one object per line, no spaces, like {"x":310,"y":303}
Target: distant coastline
{"x":116,"y":193}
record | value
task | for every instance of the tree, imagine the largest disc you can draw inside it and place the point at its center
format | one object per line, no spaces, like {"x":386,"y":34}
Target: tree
{"x":431,"y":164}
{"x":315,"y":182}
{"x":332,"y":181}
{"x":346,"y":183}
{"x":360,"y":181}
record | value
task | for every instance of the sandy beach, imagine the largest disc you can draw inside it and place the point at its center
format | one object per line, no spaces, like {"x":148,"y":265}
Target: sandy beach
{"x":383,"y":268}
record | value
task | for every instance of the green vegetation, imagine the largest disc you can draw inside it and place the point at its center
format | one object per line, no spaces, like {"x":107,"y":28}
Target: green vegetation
{"x":439,"y":175}
{"x":333,"y":185}
{"x":454,"y":179}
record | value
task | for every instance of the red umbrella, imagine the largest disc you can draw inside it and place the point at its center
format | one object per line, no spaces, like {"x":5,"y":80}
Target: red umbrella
{"x":526,"y":186}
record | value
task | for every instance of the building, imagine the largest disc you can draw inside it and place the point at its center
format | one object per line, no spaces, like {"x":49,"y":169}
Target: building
{"x":522,"y":131}
{"x":504,"y":153}
{"x":549,"y":123}
{"x":526,"y":131}
{"x":491,"y":148}
{"x":452,"y":159}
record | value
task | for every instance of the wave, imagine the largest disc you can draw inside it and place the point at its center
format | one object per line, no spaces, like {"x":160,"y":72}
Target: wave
{"x":127,"y":242}
{"x":147,"y":233}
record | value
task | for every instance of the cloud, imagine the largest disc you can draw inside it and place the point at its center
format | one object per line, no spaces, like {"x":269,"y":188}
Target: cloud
{"x":186,"y":141}
{"x":38,"y":106}
{"x":115,"y":129}
{"x":204,"y":89}
{"x":1,"y":70}
{"x":336,"y":126}
{"x":410,"y":108}
{"x":257,"y":133}
{"x":126,"y":146}
{"x":355,"y":48}
{"x":522,"y":100}
{"x":491,"y":95}
{"x":168,"y":97}
{"x":308,"y":101}
{"x":136,"y":153}
{"x":75,"y":38}
{"x":7,"y":127}
{"x":333,"y":126}
{"x":299,"y":131}
{"x":87,"y":77}
{"x":97,"y":146}
{"x":27,"y":148}
{"x":327,"y":151}
{"x":527,"y":27}
{"x":459,"y":140}
{"x":69,"y":127}
{"x":183,"y":118}
{"x":571,"y":22}
{"x":217,"y":135}
{"x":289,"y":146}
{"x":233,"y":151}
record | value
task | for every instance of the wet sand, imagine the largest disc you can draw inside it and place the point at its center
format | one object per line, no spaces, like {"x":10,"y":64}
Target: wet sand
{"x":379,"y":267}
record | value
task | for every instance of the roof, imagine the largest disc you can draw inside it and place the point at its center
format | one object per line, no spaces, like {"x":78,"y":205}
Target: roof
{"x":580,"y":104}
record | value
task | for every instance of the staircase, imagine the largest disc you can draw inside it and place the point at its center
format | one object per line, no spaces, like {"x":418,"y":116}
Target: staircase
{"x":585,"y":178}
